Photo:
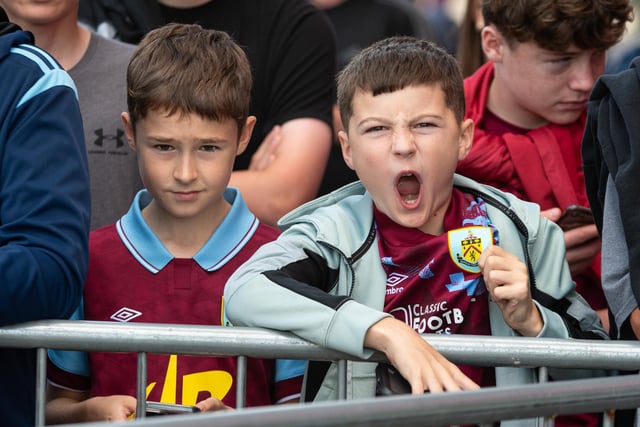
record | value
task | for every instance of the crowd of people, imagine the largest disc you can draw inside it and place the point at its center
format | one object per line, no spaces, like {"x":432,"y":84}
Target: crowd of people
{"x":344,"y":170}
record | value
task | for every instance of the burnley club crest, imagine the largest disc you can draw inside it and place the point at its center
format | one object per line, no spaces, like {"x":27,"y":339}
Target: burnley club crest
{"x":466,"y":245}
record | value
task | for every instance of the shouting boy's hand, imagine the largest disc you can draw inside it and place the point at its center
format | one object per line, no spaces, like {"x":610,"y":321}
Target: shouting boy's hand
{"x":507,"y":281}
{"x":416,"y":360}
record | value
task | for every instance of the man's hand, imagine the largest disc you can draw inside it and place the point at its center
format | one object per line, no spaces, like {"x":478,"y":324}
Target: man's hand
{"x":417,"y":361}
{"x":635,"y":322}
{"x":507,"y":281}
{"x":582,"y":243}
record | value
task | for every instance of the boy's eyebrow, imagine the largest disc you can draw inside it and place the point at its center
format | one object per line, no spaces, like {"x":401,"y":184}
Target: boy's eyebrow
{"x":163,"y":139}
{"x":422,"y":116}
{"x":570,"y":51}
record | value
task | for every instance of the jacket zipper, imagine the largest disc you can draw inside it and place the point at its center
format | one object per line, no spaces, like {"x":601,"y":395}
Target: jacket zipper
{"x":522,"y":228}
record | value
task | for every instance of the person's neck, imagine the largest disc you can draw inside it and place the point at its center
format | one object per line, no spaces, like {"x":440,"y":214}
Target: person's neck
{"x":183,"y":238}
{"x":66,"y":42}
{"x":502,"y":104}
{"x":183,"y":4}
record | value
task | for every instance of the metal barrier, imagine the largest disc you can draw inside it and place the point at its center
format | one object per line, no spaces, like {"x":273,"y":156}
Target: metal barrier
{"x":481,"y":406}
{"x":144,"y":338}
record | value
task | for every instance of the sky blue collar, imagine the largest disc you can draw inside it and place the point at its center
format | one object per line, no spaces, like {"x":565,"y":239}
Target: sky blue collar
{"x":236,"y":229}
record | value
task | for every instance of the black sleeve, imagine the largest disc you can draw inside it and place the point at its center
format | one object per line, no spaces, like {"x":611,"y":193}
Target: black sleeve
{"x":130,"y":20}
{"x":301,"y":66}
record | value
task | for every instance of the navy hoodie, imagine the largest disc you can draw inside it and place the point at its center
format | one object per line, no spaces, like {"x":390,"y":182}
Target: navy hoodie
{"x":44,"y":205}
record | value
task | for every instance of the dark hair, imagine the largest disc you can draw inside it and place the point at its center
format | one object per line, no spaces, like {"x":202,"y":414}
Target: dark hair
{"x":187,"y":69}
{"x":469,"y":51}
{"x":398,"y":62}
{"x":557,"y":24}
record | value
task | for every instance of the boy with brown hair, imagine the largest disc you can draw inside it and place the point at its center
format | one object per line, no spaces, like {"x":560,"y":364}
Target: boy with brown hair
{"x":528,"y":102}
{"x":167,"y":259}
{"x":413,"y":248}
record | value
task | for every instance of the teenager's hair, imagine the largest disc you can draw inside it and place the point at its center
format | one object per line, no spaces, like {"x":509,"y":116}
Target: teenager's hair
{"x":398,"y":62}
{"x":469,"y":50}
{"x":186,"y":69}
{"x":557,"y":24}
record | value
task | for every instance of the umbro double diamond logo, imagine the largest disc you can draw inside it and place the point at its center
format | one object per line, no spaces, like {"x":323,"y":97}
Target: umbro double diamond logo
{"x":125,"y":314}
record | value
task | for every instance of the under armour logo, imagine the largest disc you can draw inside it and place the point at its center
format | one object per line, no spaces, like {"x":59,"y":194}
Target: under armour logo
{"x":107,"y":137}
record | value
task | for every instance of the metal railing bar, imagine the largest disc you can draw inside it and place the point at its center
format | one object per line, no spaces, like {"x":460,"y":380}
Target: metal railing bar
{"x":478,"y":406}
{"x":253,"y":342}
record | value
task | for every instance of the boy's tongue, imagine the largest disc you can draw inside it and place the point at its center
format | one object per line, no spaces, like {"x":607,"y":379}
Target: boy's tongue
{"x":408,"y":187}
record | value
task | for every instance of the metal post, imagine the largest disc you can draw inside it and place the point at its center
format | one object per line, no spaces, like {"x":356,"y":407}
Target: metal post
{"x":241,"y":382}
{"x":41,"y":386}
{"x":141,"y":386}
{"x":342,"y":379}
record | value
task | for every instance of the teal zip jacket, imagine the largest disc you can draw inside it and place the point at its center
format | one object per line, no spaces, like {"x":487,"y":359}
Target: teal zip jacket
{"x":323,"y":280}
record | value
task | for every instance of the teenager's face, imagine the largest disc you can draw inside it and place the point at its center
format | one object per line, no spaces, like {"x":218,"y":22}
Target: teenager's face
{"x":534,"y":86}
{"x":404,"y":146}
{"x":33,"y":12}
{"x":186,"y":161}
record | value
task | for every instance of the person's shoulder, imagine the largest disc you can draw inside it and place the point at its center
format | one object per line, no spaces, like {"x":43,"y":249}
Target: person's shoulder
{"x":263,"y":234}
{"x":266,"y":233}
{"x":28,"y":71}
{"x":503,"y":200}
{"x":290,"y":12}
{"x":345,"y":214}
{"x":112,"y":44}
{"x":103,"y":238}
{"x":397,"y":8}
{"x":18,"y":45}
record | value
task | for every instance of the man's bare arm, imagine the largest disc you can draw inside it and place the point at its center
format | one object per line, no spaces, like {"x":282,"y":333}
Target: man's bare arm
{"x":294,"y":174}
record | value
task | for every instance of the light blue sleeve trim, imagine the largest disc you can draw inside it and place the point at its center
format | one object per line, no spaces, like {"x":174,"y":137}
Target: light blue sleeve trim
{"x":51,"y":77}
{"x":289,"y":368}
{"x":75,"y":362}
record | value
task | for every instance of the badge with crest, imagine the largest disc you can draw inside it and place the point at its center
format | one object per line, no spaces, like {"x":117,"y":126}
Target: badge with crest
{"x":466,"y":245}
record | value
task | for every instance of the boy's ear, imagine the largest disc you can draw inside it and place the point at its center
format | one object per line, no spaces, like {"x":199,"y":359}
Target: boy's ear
{"x":343,"y":137}
{"x":492,"y":43}
{"x":128,"y":130}
{"x":466,"y":138}
{"x":245,"y":134}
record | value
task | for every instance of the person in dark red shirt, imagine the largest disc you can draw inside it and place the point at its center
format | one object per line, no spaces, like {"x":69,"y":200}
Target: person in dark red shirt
{"x":529,"y":105}
{"x":168,"y":258}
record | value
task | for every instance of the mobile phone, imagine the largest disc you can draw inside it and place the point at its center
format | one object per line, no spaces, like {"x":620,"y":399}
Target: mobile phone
{"x":389,"y":381}
{"x":158,"y":408}
{"x":575,"y":216}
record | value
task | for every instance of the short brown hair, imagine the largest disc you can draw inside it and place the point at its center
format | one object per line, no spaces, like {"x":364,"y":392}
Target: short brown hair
{"x":180,"y":68}
{"x":557,"y":24}
{"x":398,"y":62}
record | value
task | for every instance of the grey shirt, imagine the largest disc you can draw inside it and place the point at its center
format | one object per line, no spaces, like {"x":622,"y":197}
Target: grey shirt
{"x":615,"y":259}
{"x":100,"y":78}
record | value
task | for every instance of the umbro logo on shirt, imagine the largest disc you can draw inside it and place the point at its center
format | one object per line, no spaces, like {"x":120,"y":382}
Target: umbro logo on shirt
{"x":393,"y":280}
{"x":125,"y":314}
